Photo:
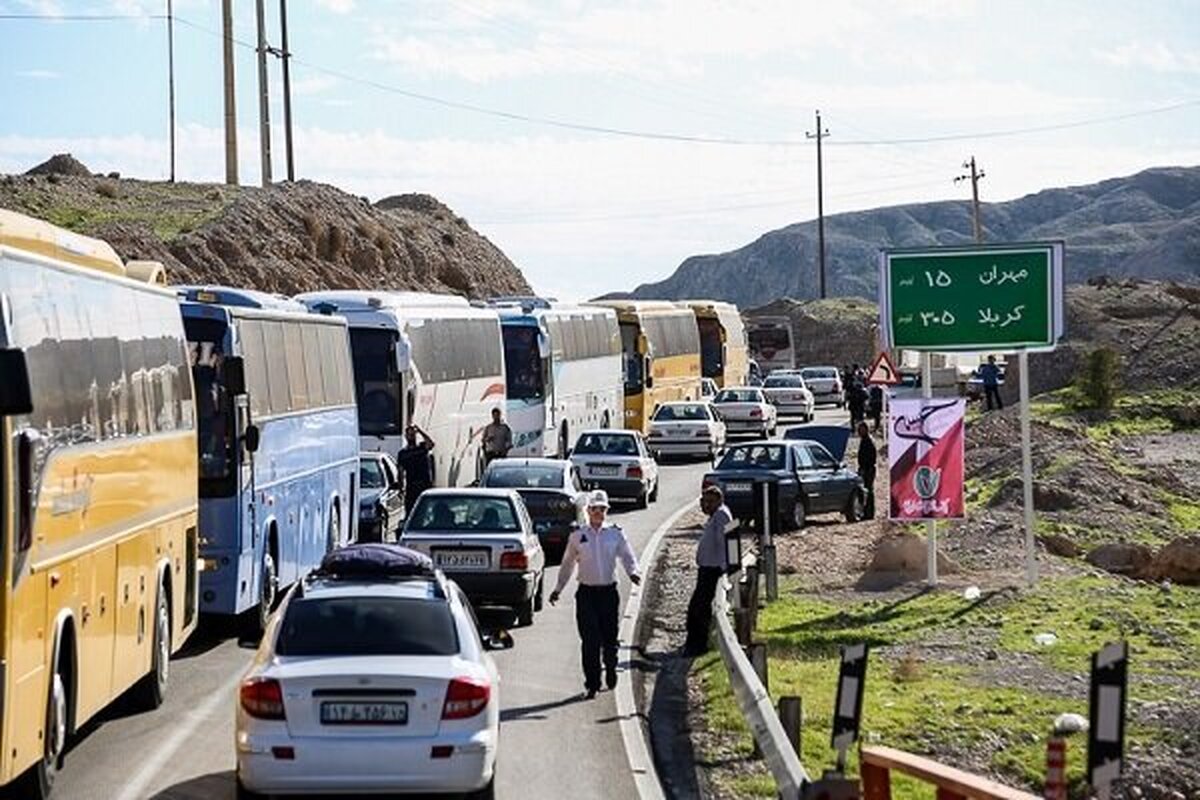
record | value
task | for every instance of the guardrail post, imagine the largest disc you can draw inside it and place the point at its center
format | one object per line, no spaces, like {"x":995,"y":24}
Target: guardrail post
{"x":752,"y":576}
{"x":876,"y":781}
{"x":743,"y":626}
{"x":791,"y":715}
{"x":757,"y":653}
{"x":771,"y":571}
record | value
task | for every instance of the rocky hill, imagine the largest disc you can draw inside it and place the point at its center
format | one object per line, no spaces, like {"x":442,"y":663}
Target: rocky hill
{"x":1145,"y":226}
{"x":290,"y":238}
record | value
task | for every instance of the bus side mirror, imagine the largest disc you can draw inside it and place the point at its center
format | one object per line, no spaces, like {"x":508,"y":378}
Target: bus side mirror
{"x":15,"y":395}
{"x":250,"y":439}
{"x":403,"y":355}
{"x":235,"y":376}
{"x":543,"y":344}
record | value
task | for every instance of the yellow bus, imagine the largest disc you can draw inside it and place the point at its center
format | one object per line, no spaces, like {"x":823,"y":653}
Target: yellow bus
{"x":660,"y":354}
{"x":98,"y":490}
{"x":724,"y":355}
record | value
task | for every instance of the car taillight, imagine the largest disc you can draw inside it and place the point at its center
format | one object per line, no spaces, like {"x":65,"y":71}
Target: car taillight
{"x":756,"y":412}
{"x":262,"y":698}
{"x":514,"y":561}
{"x":633,"y":472}
{"x":465,"y":697}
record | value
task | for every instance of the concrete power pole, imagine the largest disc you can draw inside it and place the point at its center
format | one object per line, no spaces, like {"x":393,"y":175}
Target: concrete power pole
{"x":171,"y":79}
{"x":974,"y":177}
{"x":264,"y":100}
{"x":231,"y":157}
{"x":286,"y":55}
{"x":819,"y":135}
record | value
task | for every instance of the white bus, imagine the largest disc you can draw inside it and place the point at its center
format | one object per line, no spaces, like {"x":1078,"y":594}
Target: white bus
{"x":564,"y":372}
{"x":426,"y":359}
{"x":771,"y":343}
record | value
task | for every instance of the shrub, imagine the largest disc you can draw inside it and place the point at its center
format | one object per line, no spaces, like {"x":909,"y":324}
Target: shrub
{"x":1099,"y":382}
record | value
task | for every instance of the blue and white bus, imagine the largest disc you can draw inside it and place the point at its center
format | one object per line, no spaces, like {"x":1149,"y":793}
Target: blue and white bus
{"x":278,"y":442}
{"x":563,"y":367}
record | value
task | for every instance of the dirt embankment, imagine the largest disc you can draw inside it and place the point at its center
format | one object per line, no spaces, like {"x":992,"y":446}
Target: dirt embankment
{"x":289,"y":238}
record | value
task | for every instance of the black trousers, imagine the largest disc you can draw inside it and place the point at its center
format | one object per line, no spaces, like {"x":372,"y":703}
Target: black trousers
{"x":991,"y":392}
{"x":699,"y":613}
{"x":596,"y":610}
{"x":868,"y":477}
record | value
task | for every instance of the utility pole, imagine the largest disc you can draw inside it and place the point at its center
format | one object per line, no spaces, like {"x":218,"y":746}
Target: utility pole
{"x":286,"y":56}
{"x":171,"y":79}
{"x":231,"y":156}
{"x":974,"y":177}
{"x":264,"y":103}
{"x":819,"y":135}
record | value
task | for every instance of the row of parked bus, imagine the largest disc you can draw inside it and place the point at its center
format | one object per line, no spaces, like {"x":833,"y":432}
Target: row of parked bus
{"x":168,"y":451}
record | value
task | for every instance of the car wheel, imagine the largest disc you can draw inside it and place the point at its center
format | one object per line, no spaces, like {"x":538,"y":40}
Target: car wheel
{"x":798,"y":516}
{"x":525,"y":612}
{"x":642,"y":499}
{"x":149,"y":692}
{"x":855,"y":507}
{"x":538,"y":597}
{"x":242,"y":793}
{"x":654,"y":492}
{"x":486,"y":793}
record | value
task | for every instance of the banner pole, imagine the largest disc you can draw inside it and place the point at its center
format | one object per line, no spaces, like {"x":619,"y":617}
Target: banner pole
{"x":1031,"y":565}
{"x":930,"y":525}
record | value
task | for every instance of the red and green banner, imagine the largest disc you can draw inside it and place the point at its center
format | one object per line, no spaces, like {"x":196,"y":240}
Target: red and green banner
{"x":925,"y":458}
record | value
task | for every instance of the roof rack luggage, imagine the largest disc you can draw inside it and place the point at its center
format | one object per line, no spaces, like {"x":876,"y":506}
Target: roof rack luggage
{"x":375,"y":560}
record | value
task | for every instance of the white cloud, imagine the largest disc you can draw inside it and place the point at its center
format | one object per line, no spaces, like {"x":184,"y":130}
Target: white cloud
{"x":44,"y":8}
{"x":1158,"y":56}
{"x":337,"y":6}
{"x":315,"y":84}
{"x":37,"y":74}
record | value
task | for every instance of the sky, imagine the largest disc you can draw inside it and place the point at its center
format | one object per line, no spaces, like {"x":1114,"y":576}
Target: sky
{"x":600,"y":143}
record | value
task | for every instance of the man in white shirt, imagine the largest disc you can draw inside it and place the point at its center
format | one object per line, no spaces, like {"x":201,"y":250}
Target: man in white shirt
{"x":595,"y":550}
{"x":710,"y":566}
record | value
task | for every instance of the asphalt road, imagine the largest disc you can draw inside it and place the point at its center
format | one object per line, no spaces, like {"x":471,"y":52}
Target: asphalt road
{"x":553,"y":743}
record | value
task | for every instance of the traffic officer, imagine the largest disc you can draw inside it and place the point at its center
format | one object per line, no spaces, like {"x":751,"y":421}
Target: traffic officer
{"x":595,"y":548}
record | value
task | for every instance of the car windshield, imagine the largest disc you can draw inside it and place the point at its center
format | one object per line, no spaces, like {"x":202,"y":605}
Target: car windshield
{"x":822,"y":373}
{"x":754,"y":456}
{"x":784,"y":382}
{"x":523,"y":476}
{"x":607,"y":444}
{"x":370,"y":474}
{"x":463,"y":513}
{"x":367,"y":626}
{"x":692,"y":411}
{"x":738,"y":396}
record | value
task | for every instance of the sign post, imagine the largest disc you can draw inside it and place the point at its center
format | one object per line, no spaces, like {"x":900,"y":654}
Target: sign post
{"x":1106,"y":717}
{"x":847,"y":708}
{"x":997,"y":298}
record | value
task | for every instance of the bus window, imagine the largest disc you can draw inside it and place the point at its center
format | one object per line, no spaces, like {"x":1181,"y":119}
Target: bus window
{"x":214,"y":409}
{"x":376,"y":382}
{"x":523,"y":363}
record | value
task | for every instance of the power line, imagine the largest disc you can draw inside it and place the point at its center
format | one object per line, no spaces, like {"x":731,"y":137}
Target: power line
{"x":81,"y":17}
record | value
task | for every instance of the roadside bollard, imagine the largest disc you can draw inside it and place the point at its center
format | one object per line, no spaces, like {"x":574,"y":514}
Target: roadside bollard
{"x":1056,"y":768}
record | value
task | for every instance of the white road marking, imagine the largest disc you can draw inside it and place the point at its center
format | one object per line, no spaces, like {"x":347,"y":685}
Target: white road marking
{"x":135,"y":789}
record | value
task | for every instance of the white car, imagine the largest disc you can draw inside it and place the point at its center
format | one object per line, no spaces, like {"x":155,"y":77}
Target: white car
{"x":708,"y":389}
{"x":683,"y":428}
{"x":371,"y":678}
{"x":826,"y":384}
{"x":486,"y":541}
{"x":619,"y":463}
{"x":790,"y":396}
{"x":745,"y":409}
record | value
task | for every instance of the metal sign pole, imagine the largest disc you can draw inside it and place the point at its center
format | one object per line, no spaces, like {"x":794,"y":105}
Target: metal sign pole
{"x":931,"y":525}
{"x":1031,"y":565}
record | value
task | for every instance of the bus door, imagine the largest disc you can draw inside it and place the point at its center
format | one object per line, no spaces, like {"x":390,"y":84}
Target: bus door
{"x":550,"y":406}
{"x":246,"y":435}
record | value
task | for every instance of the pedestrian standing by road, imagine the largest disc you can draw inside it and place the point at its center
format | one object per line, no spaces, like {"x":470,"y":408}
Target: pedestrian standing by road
{"x":497,"y":438}
{"x":875,"y":406}
{"x":857,"y":401}
{"x":867,"y":456}
{"x":710,"y":566}
{"x":595,"y":549}
{"x":989,"y":373}
{"x":416,"y":462}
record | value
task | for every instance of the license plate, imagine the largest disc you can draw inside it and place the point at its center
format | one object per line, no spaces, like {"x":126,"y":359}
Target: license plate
{"x":737,"y":486}
{"x":601,"y":469}
{"x":462,"y":559}
{"x":364,"y":713}
{"x":681,"y":433}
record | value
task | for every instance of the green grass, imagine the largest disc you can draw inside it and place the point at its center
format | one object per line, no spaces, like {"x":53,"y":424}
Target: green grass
{"x":980,"y":492}
{"x":167,"y":225}
{"x":1184,"y":513}
{"x":1109,"y":430}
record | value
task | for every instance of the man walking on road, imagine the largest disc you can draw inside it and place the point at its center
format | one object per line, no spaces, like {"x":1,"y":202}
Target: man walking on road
{"x":867,"y":456}
{"x":497,"y":438}
{"x":595,"y":548}
{"x":710,"y":566}
{"x":989,"y":373}
{"x":416,"y":463}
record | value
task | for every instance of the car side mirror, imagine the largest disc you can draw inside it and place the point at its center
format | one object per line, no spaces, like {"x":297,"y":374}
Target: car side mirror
{"x":16,"y":397}
{"x":250,"y":439}
{"x":498,"y":640}
{"x":234,"y":372}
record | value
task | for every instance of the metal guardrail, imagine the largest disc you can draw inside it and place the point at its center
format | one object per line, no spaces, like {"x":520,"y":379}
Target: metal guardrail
{"x":755,"y":704}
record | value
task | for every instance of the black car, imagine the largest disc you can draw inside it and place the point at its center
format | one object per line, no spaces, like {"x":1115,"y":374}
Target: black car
{"x":811,"y":481}
{"x":381,"y":502}
{"x":552,"y":494}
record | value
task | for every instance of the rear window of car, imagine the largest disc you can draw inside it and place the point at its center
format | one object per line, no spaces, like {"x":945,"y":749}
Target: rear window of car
{"x":676,"y":413}
{"x":608,"y":444}
{"x":454,"y":513}
{"x":523,"y":477}
{"x":784,"y":382}
{"x":819,"y":372}
{"x":738,"y":396}
{"x":367,"y":626}
{"x":754,"y":456}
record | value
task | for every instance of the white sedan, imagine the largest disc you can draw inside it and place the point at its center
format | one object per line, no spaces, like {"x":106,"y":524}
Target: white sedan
{"x":684,"y":428}
{"x":789,"y":395}
{"x":617,"y":462}
{"x":371,"y":678}
{"x":745,"y":409}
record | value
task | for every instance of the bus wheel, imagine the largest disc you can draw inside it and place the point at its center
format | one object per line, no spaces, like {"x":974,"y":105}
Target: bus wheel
{"x":40,"y":779}
{"x":150,"y":691}
{"x":268,"y":588}
{"x":335,"y":529}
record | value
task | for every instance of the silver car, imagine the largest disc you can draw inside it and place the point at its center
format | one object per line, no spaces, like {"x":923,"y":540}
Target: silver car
{"x":685,"y":429}
{"x":789,"y":394}
{"x":617,"y":462}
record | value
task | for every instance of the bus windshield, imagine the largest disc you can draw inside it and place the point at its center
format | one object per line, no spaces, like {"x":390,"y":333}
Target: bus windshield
{"x":214,"y":408}
{"x":376,"y":382}
{"x":523,"y":363}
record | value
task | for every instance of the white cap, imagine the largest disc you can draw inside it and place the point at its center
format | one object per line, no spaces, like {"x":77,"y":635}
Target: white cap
{"x":597,"y":499}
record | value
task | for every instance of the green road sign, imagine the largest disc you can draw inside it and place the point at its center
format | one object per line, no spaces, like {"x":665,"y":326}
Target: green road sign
{"x":986,"y":297}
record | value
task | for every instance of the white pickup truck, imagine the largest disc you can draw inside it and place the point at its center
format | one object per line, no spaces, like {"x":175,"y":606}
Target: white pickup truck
{"x":745,"y":409}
